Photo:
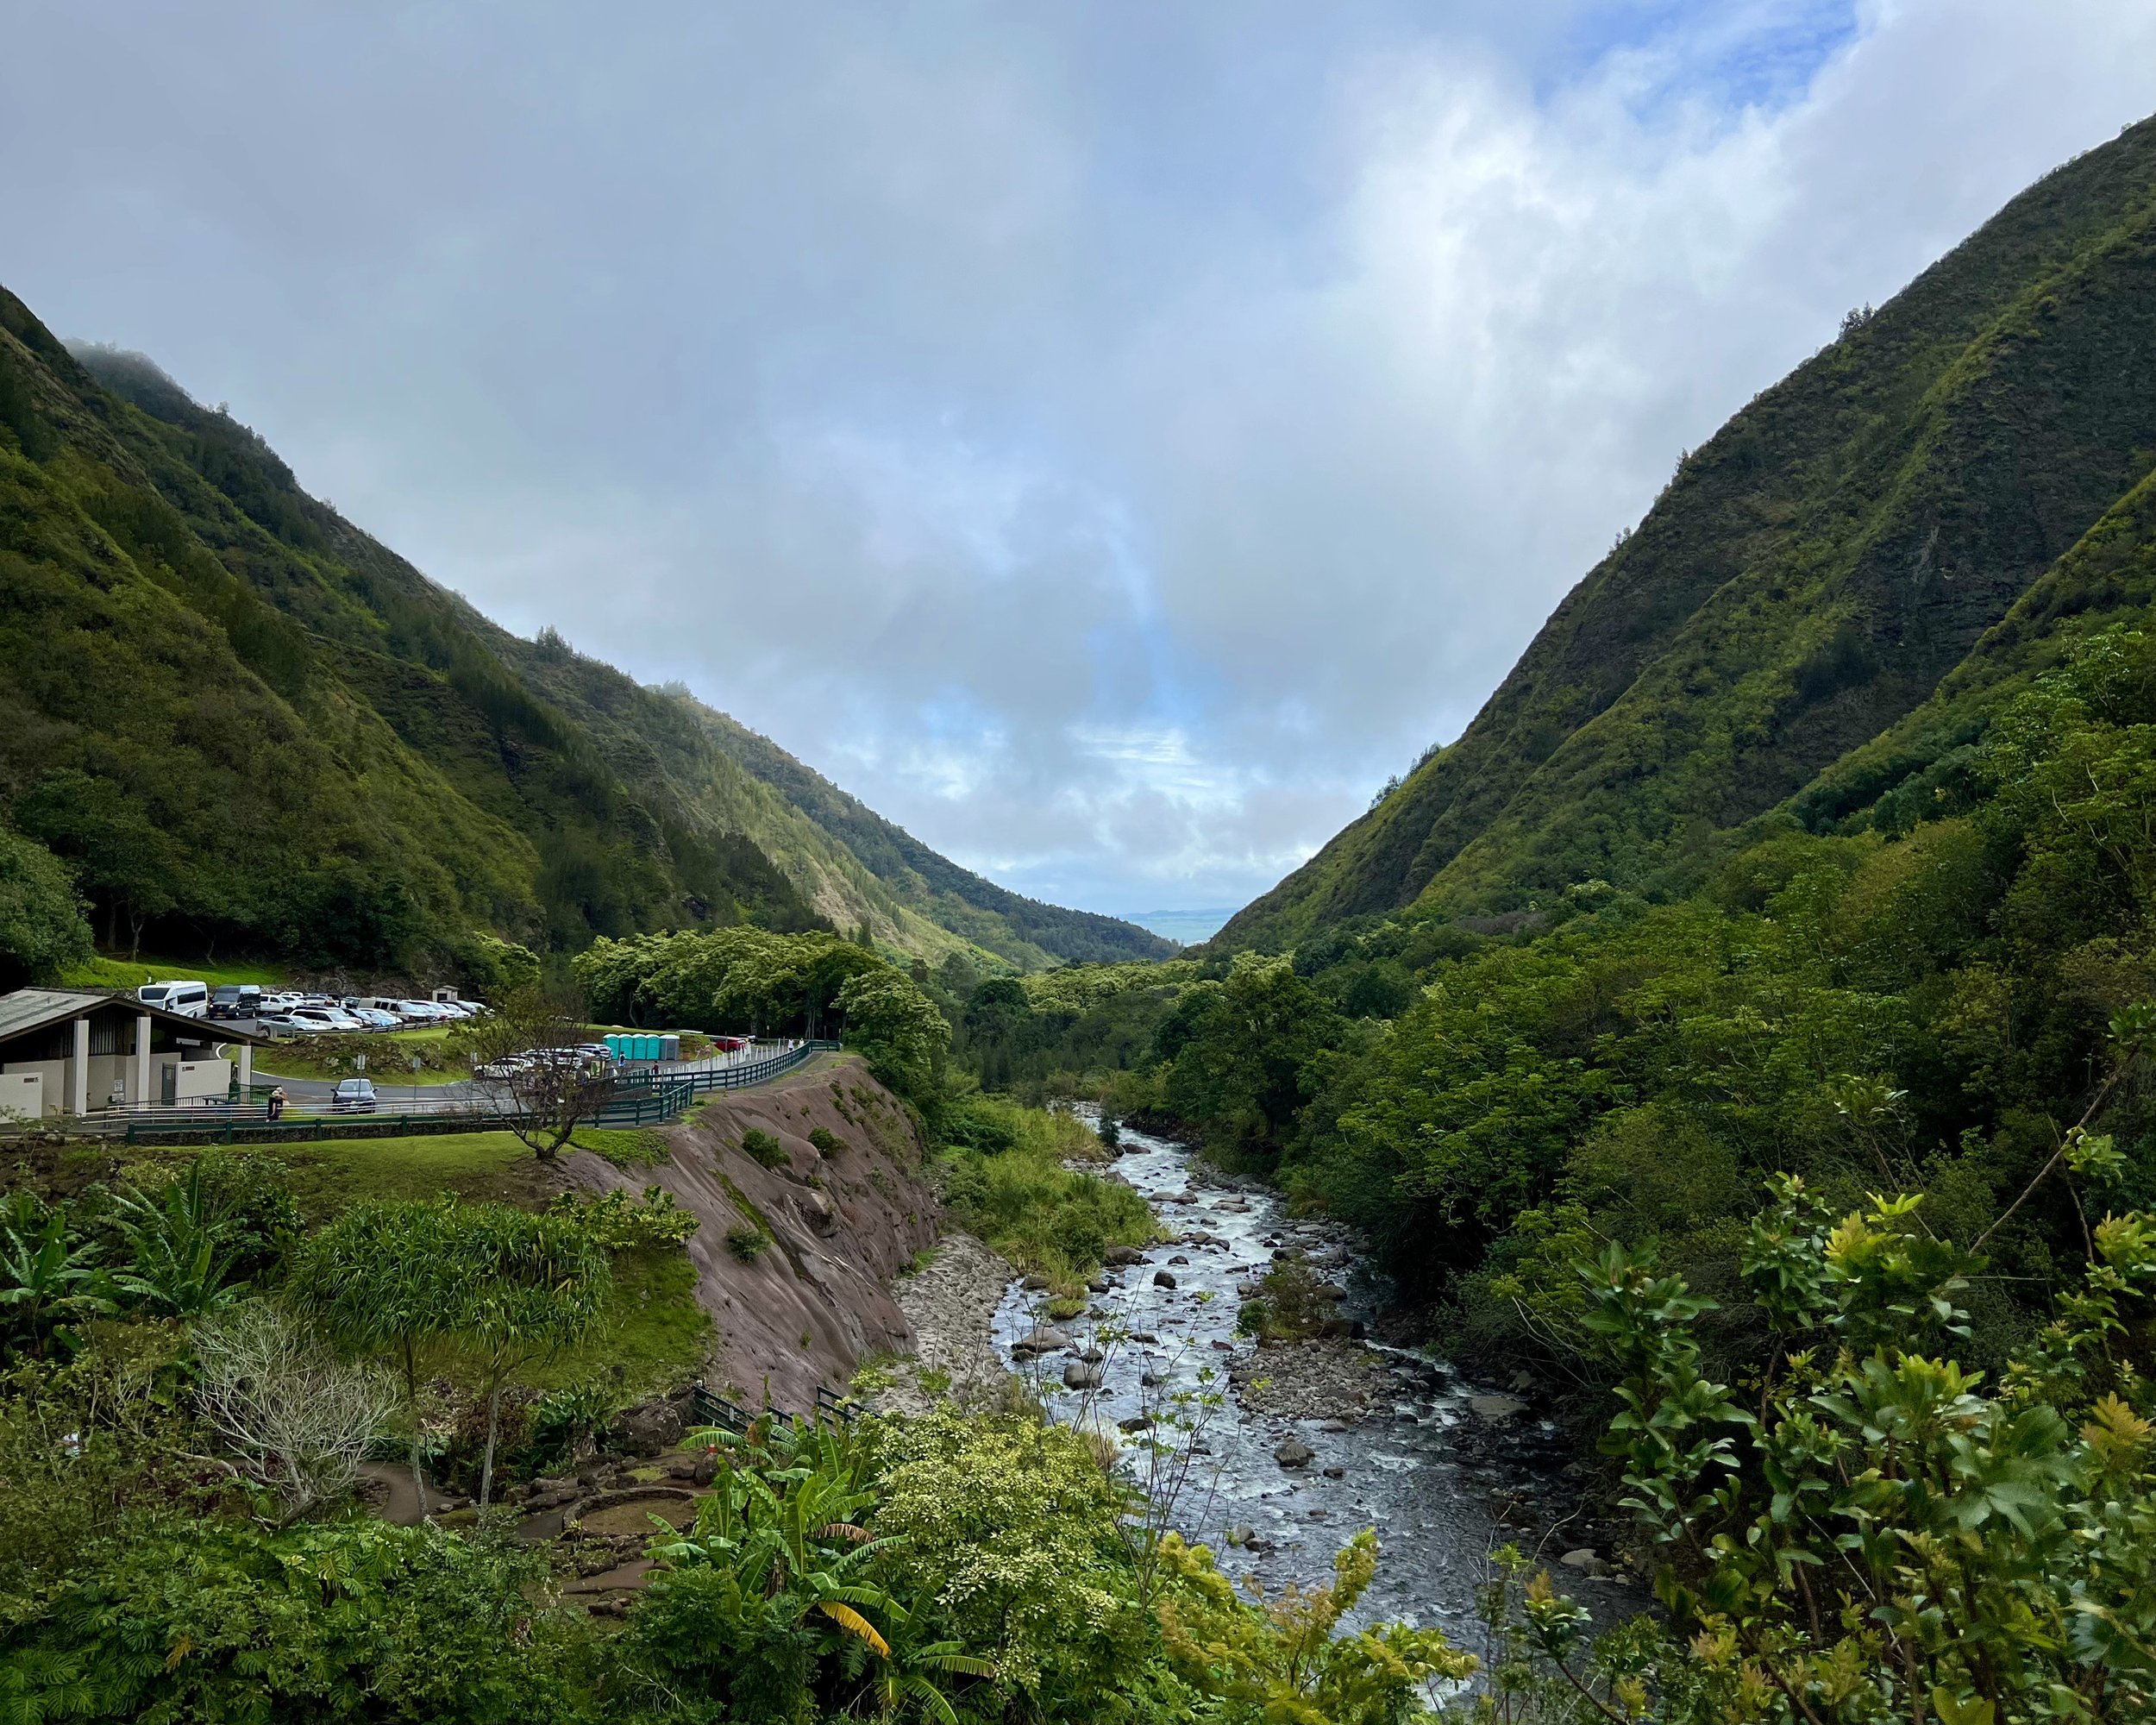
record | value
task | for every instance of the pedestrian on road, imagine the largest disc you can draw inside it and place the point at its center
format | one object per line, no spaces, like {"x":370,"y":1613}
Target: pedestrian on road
{"x":276,"y":1103}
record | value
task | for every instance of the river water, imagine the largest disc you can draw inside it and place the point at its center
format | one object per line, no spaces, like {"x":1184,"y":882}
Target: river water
{"x":1421,"y":1465}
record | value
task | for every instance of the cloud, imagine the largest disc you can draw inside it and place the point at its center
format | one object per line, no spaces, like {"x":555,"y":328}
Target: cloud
{"x":1108,"y":440}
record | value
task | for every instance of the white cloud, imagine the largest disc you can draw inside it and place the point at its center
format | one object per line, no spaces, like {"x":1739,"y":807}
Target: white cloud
{"x":1108,"y":442}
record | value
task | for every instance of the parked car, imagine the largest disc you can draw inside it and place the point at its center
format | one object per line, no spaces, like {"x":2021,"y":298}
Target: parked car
{"x":374,"y":1018}
{"x":354,"y":1096}
{"x":287,"y":1023}
{"x":283,"y":1000}
{"x":422,"y":1011}
{"x":235,"y":1000}
{"x":509,"y":1066}
{"x":326,"y":1018}
{"x":189,"y":999}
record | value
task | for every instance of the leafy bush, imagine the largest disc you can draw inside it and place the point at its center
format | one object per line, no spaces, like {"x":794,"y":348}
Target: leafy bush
{"x":1293,"y":1304}
{"x":619,"y":1225}
{"x":826,"y":1140}
{"x":761,"y":1146}
{"x":1047,"y":1219}
{"x":747,"y":1243}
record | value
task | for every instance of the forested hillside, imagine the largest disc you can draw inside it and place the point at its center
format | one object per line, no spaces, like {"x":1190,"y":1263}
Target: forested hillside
{"x":1805,"y":583}
{"x":921,"y":884}
{"x":241,"y":724}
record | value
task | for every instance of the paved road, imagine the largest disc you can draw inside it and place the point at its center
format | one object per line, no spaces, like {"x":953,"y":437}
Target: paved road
{"x":388,"y":1078}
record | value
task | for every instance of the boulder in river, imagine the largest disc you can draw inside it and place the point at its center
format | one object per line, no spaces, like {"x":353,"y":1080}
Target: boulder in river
{"x":1294,"y":1453}
{"x":1078,"y":1375}
{"x":1046,"y":1340}
{"x":1137,"y":1422}
{"x":1496,"y":1410}
{"x":1122,"y":1254}
{"x":1336,"y":1473}
{"x":1586,"y":1560}
{"x":1163,"y":1278}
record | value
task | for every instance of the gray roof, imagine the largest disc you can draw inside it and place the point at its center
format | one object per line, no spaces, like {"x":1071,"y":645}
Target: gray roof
{"x":29,"y":1009}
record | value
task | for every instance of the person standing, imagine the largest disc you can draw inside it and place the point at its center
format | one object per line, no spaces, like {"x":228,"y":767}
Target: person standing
{"x":277,"y":1102}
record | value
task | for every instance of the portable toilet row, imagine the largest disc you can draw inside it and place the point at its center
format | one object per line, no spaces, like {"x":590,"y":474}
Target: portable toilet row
{"x":643,"y":1045}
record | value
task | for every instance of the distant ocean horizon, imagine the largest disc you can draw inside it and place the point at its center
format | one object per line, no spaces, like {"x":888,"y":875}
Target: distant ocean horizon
{"x":1188,"y":926}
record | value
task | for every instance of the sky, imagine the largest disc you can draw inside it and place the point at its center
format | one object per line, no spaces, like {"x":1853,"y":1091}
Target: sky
{"x":1110,"y":439}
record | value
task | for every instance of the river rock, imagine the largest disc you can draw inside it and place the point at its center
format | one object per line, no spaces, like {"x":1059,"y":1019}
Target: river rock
{"x":1046,"y":1340}
{"x":1496,"y":1410}
{"x":1294,"y":1453}
{"x":1180,"y":1258}
{"x":1148,"y":1380}
{"x":1091,"y":1356}
{"x":1336,"y":1473}
{"x":1334,"y":1425}
{"x":1079,"y":1375}
{"x":1034,"y":1284}
{"x":1137,"y":1422}
{"x":1242,"y":1533}
{"x":1122,"y":1254}
{"x":1098,"y":1285}
{"x":1586,"y":1560}
{"x":1248,"y":1290}
{"x":1163,"y":1278}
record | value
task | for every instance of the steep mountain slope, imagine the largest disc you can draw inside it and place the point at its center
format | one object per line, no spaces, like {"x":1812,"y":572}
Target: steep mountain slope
{"x":247,"y":723}
{"x":923,"y":884}
{"x":1806,"y":580}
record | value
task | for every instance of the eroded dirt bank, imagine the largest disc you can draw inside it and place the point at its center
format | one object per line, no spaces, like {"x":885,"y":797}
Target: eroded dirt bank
{"x":841,"y":1224}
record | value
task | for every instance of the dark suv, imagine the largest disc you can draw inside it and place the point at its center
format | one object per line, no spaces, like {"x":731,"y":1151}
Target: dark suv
{"x":235,"y":1000}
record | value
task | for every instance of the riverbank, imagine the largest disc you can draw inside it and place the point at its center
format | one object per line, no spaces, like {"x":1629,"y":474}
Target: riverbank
{"x":949,"y":1303}
{"x":1300,"y":1444}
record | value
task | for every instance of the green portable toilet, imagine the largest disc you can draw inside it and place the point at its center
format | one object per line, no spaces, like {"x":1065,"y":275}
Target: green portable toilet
{"x":613,"y":1043}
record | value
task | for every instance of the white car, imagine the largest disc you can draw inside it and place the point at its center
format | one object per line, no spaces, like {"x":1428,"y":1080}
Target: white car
{"x":327,"y":1018}
{"x":187,"y":999}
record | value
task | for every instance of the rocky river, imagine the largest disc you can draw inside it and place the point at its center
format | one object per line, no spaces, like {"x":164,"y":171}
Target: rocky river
{"x":1310,"y":1442}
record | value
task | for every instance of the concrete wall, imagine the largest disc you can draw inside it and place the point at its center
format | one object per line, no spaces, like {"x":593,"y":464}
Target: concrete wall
{"x":53,"y":1072}
{"x":21,"y":1096}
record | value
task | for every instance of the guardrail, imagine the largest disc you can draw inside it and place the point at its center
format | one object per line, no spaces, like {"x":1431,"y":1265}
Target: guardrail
{"x":636,"y":1098}
{"x":715,"y":1409}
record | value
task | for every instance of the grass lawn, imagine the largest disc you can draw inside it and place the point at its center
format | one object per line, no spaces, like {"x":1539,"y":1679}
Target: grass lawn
{"x":329,"y":1175}
{"x":653,"y":1329}
{"x":132,"y":973}
{"x":387,"y":1059}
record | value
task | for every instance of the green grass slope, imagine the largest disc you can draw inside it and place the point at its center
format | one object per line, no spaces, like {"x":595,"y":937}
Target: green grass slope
{"x":250,"y":727}
{"x":1806,"y":581}
{"x":924,"y":885}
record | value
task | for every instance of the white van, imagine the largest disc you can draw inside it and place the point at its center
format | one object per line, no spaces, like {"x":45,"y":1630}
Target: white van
{"x":188,"y":1000}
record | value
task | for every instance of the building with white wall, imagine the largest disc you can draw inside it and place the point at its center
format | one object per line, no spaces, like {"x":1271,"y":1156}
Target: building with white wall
{"x":69,"y":1053}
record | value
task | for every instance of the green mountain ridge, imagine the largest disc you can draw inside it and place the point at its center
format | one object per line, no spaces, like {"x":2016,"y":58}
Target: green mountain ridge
{"x":246,"y":723}
{"x":1806,"y":616}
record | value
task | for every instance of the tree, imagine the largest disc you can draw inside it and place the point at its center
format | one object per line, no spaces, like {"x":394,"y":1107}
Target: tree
{"x":897,"y":1026}
{"x":387,"y":1276}
{"x":525,"y":1055}
{"x":42,"y":930}
{"x":531,"y":1286}
{"x":300,"y":1420}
